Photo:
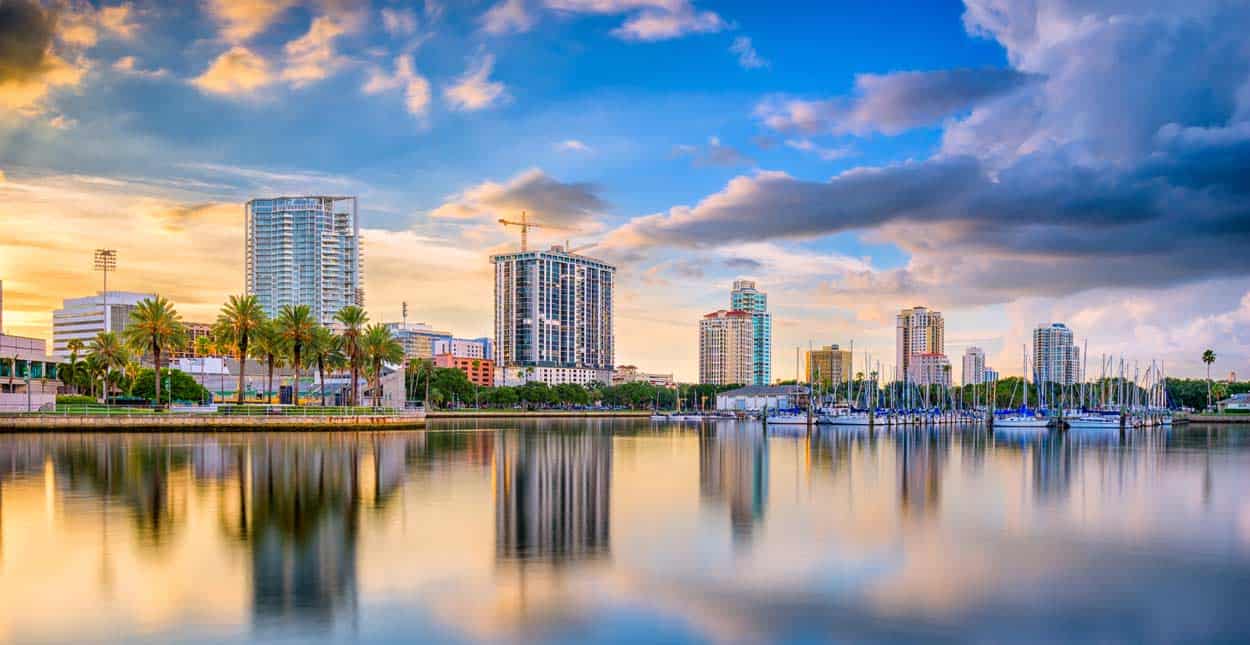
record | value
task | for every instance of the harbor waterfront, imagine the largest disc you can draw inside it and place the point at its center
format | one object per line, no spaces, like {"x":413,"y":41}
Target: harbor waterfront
{"x":627,"y":530}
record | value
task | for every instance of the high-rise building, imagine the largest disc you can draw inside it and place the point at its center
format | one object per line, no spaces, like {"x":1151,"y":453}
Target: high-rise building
{"x":918,"y":331}
{"x":828,"y":366}
{"x":304,"y":251}
{"x":726,"y":348}
{"x":83,"y":318}
{"x":929,"y":369}
{"x":553,"y":309}
{"x":974,"y":366}
{"x":745,"y":297}
{"x":1056,"y":359}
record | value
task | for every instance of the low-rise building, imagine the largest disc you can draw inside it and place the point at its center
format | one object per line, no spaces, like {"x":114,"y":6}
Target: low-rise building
{"x":418,"y":339}
{"x":83,"y":318}
{"x":28,"y":376}
{"x":828,"y":366}
{"x":631,"y":374}
{"x":756,"y":398}
{"x":465,"y":347}
{"x":930,"y":369}
{"x":480,"y":371}
{"x":195,"y":331}
{"x":1237,"y":403}
{"x":517,"y":375}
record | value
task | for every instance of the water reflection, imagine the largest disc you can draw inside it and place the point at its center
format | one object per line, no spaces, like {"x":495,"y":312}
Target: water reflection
{"x":560,"y":531}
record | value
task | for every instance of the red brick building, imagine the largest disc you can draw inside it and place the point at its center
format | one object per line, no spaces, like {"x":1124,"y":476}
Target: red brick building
{"x":481,"y":371}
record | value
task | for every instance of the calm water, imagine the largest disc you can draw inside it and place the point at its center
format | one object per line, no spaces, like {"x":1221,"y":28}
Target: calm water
{"x":621,"y":531}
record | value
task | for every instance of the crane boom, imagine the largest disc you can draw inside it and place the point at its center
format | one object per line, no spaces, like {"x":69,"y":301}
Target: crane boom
{"x":525,"y":225}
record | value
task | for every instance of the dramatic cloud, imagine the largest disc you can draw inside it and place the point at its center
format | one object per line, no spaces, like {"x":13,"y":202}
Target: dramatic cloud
{"x":240,"y":20}
{"x":312,"y":56}
{"x":475,"y":91}
{"x":895,"y":102}
{"x":648,"y":20}
{"x":416,"y":89}
{"x":509,"y":17}
{"x":748,"y":58}
{"x":29,"y":68}
{"x":238,"y":71}
{"x":543,"y":197}
{"x":82,"y":25}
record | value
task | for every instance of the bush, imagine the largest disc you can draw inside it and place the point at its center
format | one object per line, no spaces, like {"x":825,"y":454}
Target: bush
{"x":75,"y":399}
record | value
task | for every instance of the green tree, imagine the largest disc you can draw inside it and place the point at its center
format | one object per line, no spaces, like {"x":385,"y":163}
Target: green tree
{"x":237,"y":325}
{"x":70,"y":378}
{"x":379,"y":346}
{"x":324,"y":350}
{"x":266,"y":345}
{"x":353,"y":319}
{"x":421,"y":372}
{"x":155,"y":327}
{"x":295,"y":325}
{"x":183,"y":386}
{"x":110,"y":352}
{"x":1208,"y":357}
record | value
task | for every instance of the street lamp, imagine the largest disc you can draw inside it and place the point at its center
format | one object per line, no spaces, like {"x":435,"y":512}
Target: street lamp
{"x":105,"y":260}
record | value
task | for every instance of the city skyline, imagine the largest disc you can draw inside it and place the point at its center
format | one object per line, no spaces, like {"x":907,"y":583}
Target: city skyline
{"x":960,"y":165}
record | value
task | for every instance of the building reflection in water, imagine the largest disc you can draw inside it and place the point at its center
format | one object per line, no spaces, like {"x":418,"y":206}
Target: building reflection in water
{"x":553,"y":496}
{"x":922,"y":453}
{"x":733,"y":471}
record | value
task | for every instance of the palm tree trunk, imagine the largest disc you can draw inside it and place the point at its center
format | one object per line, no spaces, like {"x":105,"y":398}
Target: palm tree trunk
{"x":269,"y":383}
{"x":321,"y":374}
{"x":295,"y":383}
{"x":242,"y":369}
{"x":355,"y":377}
{"x":156,"y":360}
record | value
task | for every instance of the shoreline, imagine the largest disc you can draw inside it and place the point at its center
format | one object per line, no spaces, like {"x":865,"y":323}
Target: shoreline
{"x":208,"y":423}
{"x":538,"y":414}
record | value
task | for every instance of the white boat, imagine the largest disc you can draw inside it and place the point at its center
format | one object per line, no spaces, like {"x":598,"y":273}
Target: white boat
{"x":1093,"y":420}
{"x":788,"y":419}
{"x":850,"y":419}
{"x":1021,"y":421}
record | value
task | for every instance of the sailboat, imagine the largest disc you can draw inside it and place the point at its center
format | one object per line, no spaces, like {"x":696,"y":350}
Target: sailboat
{"x":1022,"y":418}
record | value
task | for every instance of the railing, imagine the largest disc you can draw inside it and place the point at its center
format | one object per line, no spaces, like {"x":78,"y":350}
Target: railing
{"x":232,"y":411}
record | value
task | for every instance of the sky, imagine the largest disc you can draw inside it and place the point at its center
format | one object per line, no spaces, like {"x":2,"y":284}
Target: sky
{"x":1007,"y":162}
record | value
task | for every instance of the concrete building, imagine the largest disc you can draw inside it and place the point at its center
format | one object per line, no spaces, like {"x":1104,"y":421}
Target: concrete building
{"x":631,"y":374}
{"x":1056,"y":359}
{"x":520,"y":375}
{"x":918,"y":331}
{"x":465,"y":347}
{"x":28,"y":376}
{"x":554,"y":309}
{"x":930,"y":369}
{"x":304,"y":251}
{"x":83,"y":318}
{"x":419,"y":340}
{"x":480,"y":371}
{"x":828,"y":366}
{"x":973,"y":372}
{"x":989,"y":375}
{"x":745,"y":297}
{"x":726,"y":348}
{"x":195,"y":331}
{"x":754,"y":398}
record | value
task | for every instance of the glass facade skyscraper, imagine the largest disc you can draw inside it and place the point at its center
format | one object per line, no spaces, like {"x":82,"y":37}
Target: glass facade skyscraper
{"x":745,"y":297}
{"x":553,"y":309}
{"x":304,"y":251}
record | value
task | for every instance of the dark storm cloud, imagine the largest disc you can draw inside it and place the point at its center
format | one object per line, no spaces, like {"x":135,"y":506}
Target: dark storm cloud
{"x":25,"y":38}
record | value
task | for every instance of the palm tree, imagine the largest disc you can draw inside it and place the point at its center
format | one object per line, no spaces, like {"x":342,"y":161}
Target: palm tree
{"x":74,"y":346}
{"x":295,"y":326}
{"x":131,"y":369}
{"x":423,"y":370}
{"x":353,"y":319}
{"x":110,"y":353}
{"x":236,"y":325}
{"x":155,"y":327}
{"x":379,"y":346}
{"x":266,"y":346}
{"x":1208,"y":357}
{"x":323,"y":350}
{"x":94,"y":368}
{"x":205,"y":346}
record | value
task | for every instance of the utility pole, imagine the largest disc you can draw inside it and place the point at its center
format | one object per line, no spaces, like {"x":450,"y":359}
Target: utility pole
{"x":405,"y":314}
{"x":105,"y":260}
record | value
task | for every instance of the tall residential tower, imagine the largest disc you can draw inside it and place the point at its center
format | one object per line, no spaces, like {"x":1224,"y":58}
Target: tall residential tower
{"x":304,"y":251}
{"x":553,"y":317}
{"x":726,"y":348}
{"x":1056,"y":359}
{"x":745,"y":297}
{"x":918,"y":331}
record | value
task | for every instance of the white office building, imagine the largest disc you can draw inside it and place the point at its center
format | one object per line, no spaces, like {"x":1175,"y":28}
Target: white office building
{"x":304,"y":251}
{"x":973,"y":367}
{"x":83,"y":318}
{"x":1056,"y":359}
{"x":481,"y":348}
{"x":553,"y":309}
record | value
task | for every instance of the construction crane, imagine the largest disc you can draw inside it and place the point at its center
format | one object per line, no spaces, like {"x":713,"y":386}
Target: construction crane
{"x":525,"y":225}
{"x":568,"y":247}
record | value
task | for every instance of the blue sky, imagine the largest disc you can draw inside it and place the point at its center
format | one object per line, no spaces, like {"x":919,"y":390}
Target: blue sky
{"x":1007,"y":162}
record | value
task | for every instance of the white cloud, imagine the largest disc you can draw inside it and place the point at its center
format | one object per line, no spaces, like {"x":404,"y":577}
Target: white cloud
{"x":748,"y":58}
{"x":236,"y":72}
{"x":474,"y":90}
{"x":240,"y":20}
{"x":546,"y":198}
{"x":312,"y":57}
{"x":825,"y":154}
{"x":415,"y":87}
{"x":572,"y":145}
{"x":399,"y":22}
{"x":509,"y":17}
{"x":647,"y":20}
{"x":129,"y":65}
